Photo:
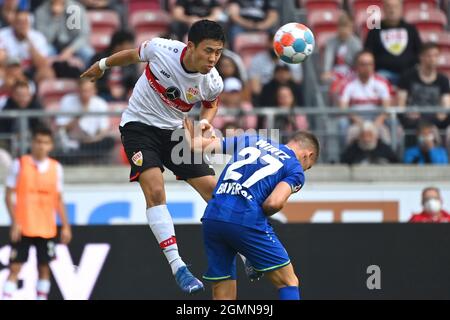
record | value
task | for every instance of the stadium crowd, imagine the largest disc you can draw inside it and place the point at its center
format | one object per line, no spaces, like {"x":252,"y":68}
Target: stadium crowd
{"x":46,"y":44}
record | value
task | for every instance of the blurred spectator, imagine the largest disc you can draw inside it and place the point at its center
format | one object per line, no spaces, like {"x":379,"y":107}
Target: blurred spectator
{"x":263,"y":65}
{"x":117,"y":83}
{"x":238,"y":64}
{"x":230,"y":65}
{"x":432,"y":207}
{"x":116,"y":5}
{"x":21,"y":99}
{"x":52,"y":20}
{"x":428,"y":150}
{"x":368,"y":148}
{"x":251,"y":15}
{"x":12,"y":74}
{"x":8,"y":9}
{"x":395,"y":45}
{"x":232,"y":99}
{"x":5,"y":160}
{"x":424,"y":86}
{"x":186,"y":12}
{"x":30,"y":46}
{"x":291,"y":122}
{"x":340,"y":51}
{"x":282,"y":76}
{"x":85,"y":137}
{"x":366,"y":92}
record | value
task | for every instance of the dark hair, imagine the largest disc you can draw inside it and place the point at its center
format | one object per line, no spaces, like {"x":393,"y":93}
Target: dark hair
{"x":43,"y":131}
{"x":120,"y":37}
{"x":308,"y":140}
{"x":424,"y":124}
{"x":20,"y":84}
{"x":206,"y":29}
{"x":362,"y":52}
{"x":428,"y":46}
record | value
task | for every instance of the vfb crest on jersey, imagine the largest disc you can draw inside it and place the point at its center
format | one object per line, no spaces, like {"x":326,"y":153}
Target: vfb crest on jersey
{"x":172,"y":93}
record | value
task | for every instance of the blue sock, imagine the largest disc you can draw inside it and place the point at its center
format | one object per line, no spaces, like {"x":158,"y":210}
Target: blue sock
{"x":289,"y":293}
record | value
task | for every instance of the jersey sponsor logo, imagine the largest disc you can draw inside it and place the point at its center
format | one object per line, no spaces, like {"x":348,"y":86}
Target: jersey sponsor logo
{"x":394,"y":41}
{"x":138,"y":159}
{"x":296,"y":188}
{"x":172,"y":93}
{"x":192,"y":93}
{"x":165,"y":74}
{"x":233,"y":188}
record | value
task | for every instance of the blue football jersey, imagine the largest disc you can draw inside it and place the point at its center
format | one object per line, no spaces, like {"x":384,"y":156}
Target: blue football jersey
{"x":256,"y":167}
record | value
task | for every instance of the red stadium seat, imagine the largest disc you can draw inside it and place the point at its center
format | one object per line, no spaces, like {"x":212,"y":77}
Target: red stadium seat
{"x":323,"y":21}
{"x":312,"y":5}
{"x":142,"y":5}
{"x":248,"y":44}
{"x":444,"y":62}
{"x":442,"y":39}
{"x":100,"y":41}
{"x":105,"y":21}
{"x":51,"y":91}
{"x":362,"y":5}
{"x":427,"y":20}
{"x":150,"y":21}
{"x":419,"y":4}
{"x":322,"y":38}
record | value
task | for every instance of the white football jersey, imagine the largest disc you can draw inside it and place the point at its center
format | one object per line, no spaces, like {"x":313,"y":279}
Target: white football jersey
{"x":166,"y":91}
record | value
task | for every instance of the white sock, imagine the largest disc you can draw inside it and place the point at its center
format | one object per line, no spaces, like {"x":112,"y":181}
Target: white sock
{"x":42,"y":288}
{"x":161,"y":223}
{"x":8,"y":289}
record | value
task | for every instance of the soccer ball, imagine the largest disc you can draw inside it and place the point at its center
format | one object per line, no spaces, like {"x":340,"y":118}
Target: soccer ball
{"x":293,"y":42}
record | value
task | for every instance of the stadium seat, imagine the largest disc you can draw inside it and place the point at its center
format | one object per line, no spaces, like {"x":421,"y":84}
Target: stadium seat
{"x":323,"y":21}
{"x":150,"y":21}
{"x":427,"y":20}
{"x":362,"y":5}
{"x":104,"y":21}
{"x":442,"y":39}
{"x":51,"y":91}
{"x":247,"y":44}
{"x":444,"y":62}
{"x":312,"y":5}
{"x":99,"y":41}
{"x":419,"y":4}
{"x":322,"y":38}
{"x":142,"y":5}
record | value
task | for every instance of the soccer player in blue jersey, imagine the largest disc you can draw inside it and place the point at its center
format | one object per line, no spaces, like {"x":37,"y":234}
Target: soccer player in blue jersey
{"x":255,"y":184}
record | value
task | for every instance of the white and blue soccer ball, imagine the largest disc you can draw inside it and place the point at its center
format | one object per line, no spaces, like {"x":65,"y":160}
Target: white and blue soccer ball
{"x":293,"y":42}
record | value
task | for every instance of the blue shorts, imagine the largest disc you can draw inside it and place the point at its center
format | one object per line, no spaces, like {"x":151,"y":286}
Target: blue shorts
{"x":223,"y":240}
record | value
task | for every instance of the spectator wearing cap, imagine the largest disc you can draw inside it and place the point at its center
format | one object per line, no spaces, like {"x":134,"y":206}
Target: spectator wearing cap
{"x":368,"y":148}
{"x":29,"y":45}
{"x":231,"y":98}
{"x":432,"y":207}
{"x":263,"y":65}
{"x":66,"y":41}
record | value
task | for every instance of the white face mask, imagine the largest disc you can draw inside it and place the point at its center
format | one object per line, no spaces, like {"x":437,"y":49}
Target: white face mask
{"x":432,"y":205}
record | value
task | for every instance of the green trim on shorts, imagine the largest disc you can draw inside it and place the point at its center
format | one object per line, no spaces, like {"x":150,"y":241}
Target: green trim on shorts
{"x":274,"y":267}
{"x":216,"y":279}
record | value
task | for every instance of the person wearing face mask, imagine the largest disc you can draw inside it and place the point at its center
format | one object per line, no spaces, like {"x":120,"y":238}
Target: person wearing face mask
{"x":432,"y":207}
{"x":428,"y":151}
{"x":368,"y":148}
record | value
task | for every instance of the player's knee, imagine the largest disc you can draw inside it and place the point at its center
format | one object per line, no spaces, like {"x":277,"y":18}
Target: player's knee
{"x":284,"y":278}
{"x":14,"y":269}
{"x":44,"y":271}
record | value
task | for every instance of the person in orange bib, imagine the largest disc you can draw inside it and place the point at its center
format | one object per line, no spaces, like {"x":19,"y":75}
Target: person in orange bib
{"x":36,"y":180}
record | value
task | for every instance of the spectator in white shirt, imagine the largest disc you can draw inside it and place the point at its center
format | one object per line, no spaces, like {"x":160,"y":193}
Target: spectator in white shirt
{"x":86,"y":137}
{"x":30,"y":46}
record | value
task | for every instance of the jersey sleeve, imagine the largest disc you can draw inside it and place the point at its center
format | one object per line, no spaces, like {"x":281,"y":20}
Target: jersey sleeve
{"x":11,"y":178}
{"x":147,"y":49}
{"x":295,"y":177}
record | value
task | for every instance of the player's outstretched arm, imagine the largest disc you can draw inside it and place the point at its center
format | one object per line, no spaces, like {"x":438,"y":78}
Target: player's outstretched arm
{"x":277,"y":199}
{"x":119,"y":59}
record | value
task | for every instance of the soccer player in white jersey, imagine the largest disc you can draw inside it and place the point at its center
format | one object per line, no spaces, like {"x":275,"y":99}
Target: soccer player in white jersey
{"x":176,"y":77}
